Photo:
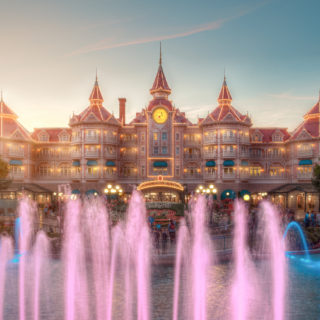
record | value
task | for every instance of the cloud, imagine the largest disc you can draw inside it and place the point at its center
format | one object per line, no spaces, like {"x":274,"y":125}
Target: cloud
{"x":106,"y":44}
{"x":289,"y":96}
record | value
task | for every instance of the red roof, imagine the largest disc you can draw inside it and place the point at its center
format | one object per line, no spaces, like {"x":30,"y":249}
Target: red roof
{"x":160,"y":83}
{"x":224,"y":96}
{"x":96,"y":95}
{"x":53,"y":133}
{"x":10,"y":126}
{"x":157,"y":102}
{"x":4,"y":109}
{"x":267,"y":133}
{"x":315,"y":110}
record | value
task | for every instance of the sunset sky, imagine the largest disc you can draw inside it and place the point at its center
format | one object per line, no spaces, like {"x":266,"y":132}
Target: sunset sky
{"x":50,"y":51}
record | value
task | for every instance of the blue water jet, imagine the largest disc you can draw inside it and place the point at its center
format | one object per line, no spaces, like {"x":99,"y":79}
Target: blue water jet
{"x":297,"y":226}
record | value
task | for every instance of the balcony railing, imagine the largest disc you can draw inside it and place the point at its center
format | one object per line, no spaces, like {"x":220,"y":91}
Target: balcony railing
{"x":244,"y":154}
{"x":304,"y":175}
{"x":192,"y":175}
{"x":128,"y":156}
{"x":209,"y":140}
{"x":91,"y":154}
{"x":110,"y":155}
{"x":16,"y":153}
{"x":94,"y":139}
{"x":110,"y":175}
{"x":76,"y":175}
{"x":229,"y":154}
{"x":244,"y":140}
{"x":112,"y":140}
{"x":229,"y":139}
{"x":229,"y":176}
{"x":17,"y":175}
{"x":244,"y":175}
{"x":76,"y":154}
{"x":210,"y":155}
{"x":187,"y":156}
{"x":209,"y":175}
{"x":305,"y":153}
{"x":188,"y":142}
{"x":92,"y":175}
{"x":131,"y":142}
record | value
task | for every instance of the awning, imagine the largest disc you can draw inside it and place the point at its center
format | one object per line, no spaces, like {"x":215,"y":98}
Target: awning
{"x":110,"y":164}
{"x":244,"y":192}
{"x":228,"y":163}
{"x":76,"y":163}
{"x":244,"y":163}
{"x":160,"y":164}
{"x":92,"y":163}
{"x":91,"y":191}
{"x":75,"y":191}
{"x":228,"y":194}
{"x":305,"y":162}
{"x":210,"y":163}
{"x":15,"y":163}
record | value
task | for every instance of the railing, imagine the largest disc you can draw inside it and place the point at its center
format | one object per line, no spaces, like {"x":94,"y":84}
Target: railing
{"x":112,"y":140}
{"x":228,"y":176}
{"x":109,"y":175}
{"x":128,"y":156}
{"x":192,"y":175}
{"x":305,"y":153}
{"x":76,"y":175}
{"x":131,"y":142}
{"x":244,"y":140}
{"x":244,"y":154}
{"x":276,"y":156}
{"x":209,"y":155}
{"x":110,"y":155}
{"x":304,"y":175}
{"x":192,"y":142}
{"x":229,"y":154}
{"x":17,"y":175}
{"x":92,"y":139}
{"x":91,"y":154}
{"x":244,"y":175}
{"x":92,"y":175}
{"x":16,"y":153}
{"x":76,"y":140}
{"x":229,"y":139}
{"x":208,"y":175}
{"x":192,"y":156}
{"x":76,"y":154}
{"x":209,"y":140}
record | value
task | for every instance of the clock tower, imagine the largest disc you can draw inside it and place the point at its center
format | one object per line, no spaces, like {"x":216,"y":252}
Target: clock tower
{"x":160,"y":114}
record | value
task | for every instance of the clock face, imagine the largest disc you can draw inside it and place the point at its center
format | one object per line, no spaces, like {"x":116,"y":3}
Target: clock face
{"x":160,"y":115}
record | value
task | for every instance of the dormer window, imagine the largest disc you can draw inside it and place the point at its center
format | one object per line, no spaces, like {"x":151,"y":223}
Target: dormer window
{"x":43,"y":136}
{"x":277,"y":137}
{"x":64,"y":137}
{"x":256,"y":137}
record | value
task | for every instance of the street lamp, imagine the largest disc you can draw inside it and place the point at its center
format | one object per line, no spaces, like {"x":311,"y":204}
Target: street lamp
{"x":211,"y":189}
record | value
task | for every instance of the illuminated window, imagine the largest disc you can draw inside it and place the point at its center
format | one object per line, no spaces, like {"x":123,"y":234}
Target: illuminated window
{"x":155,"y":136}
{"x":228,"y":170}
{"x":177,"y":171}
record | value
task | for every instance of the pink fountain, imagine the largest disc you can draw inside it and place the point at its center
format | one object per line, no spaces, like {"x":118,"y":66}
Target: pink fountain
{"x":106,"y":270}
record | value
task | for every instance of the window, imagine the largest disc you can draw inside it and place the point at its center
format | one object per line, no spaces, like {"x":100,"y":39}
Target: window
{"x":65,"y":170}
{"x":155,"y":136}
{"x":177,"y":171}
{"x":255,"y":171}
{"x":43,"y":137}
{"x":142,"y":149}
{"x":164,"y":136}
{"x":177,"y":151}
{"x":142,"y":137}
{"x":228,"y":170}
{"x":177,"y":136}
{"x":64,"y":137}
{"x":277,"y":137}
{"x":155,"y":150}
{"x":164,"y":150}
{"x":44,"y":170}
{"x":142,"y":171}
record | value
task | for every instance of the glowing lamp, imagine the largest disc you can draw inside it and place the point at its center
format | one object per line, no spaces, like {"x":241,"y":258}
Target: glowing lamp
{"x":246,"y":197}
{"x":109,"y":186}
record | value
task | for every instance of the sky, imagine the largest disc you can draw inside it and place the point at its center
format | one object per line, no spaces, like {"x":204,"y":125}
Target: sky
{"x":269,"y":49}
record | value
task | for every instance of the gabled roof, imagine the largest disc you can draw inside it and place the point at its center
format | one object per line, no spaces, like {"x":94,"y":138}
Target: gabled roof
{"x":310,"y":127}
{"x":267,"y":133}
{"x":53,"y":133}
{"x":224,"y":96}
{"x":160,"y":83}
{"x":160,"y":102}
{"x":5,"y":110}
{"x":96,"y":96}
{"x":180,"y":117}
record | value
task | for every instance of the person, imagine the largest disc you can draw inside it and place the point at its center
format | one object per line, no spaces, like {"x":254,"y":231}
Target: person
{"x":157,"y":241}
{"x":172,"y":231}
{"x":313,"y":219}
{"x":164,"y":241}
{"x":306,"y":220}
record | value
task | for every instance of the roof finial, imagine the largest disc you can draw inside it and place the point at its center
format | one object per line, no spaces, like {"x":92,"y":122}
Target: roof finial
{"x":96,"y":76}
{"x":160,"y":59}
{"x":224,"y":76}
{"x":1,"y":96}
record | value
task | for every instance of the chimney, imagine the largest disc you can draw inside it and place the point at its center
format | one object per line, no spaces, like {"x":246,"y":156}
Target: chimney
{"x":122,"y":110}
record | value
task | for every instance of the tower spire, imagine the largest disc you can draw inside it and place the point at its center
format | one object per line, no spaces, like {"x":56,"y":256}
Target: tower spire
{"x":96,"y":96}
{"x":224,"y":96}
{"x":160,"y":59}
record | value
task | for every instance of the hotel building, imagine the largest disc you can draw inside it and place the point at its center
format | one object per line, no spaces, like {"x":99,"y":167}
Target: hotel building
{"x":224,"y":149}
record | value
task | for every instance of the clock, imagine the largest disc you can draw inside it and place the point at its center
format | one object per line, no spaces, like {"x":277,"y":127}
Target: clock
{"x":160,"y":115}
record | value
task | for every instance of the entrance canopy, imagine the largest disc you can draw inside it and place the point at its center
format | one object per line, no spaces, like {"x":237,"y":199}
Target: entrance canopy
{"x":228,"y":194}
{"x":160,"y":183}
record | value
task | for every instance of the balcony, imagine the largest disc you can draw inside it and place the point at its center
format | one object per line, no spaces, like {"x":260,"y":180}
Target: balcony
{"x":76,"y":154}
{"x":276,"y":155}
{"x":16,"y":153}
{"x":94,"y":175}
{"x":17,"y":175}
{"x":187,"y":156}
{"x":192,"y":175}
{"x":232,"y":139}
{"x":229,"y":153}
{"x":110,"y":175}
{"x":111,"y":140}
{"x":244,"y":175}
{"x":305,"y":152}
{"x":209,"y":140}
{"x":192,"y":143}
{"x":210,"y":175}
{"x":304,"y":175}
{"x":91,"y":139}
{"x":210,"y":155}
{"x":110,"y":155}
{"x":229,"y":176}
{"x":244,"y":139}
{"x":76,"y":175}
{"x":76,"y":139}
{"x":129,"y":142}
{"x":92,"y":153}
{"x":128,"y":156}
{"x":244,"y":154}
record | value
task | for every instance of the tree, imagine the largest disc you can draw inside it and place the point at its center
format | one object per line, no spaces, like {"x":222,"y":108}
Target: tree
{"x":316,"y":179}
{"x":4,"y":169}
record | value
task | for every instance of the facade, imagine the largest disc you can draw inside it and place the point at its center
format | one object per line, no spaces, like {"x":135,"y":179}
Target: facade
{"x":223,"y":149}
